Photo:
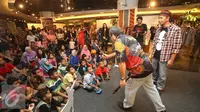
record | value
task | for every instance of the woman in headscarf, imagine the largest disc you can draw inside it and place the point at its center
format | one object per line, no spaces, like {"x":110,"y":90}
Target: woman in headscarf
{"x":86,"y":52}
{"x":45,"y":65}
{"x":74,"y":59}
{"x":28,"y":57}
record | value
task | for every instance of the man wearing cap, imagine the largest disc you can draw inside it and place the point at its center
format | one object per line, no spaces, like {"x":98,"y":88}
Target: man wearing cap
{"x":166,"y":45}
{"x":131,"y":57}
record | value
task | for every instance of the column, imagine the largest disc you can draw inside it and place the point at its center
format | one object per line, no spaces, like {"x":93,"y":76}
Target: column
{"x":47,"y":19}
{"x":127,"y":10}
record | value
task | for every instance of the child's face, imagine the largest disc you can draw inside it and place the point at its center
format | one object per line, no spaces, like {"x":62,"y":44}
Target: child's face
{"x":16,"y":83}
{"x":72,"y":70}
{"x":39,"y":73}
{"x":46,"y":62}
{"x":62,"y":54}
{"x":96,"y":41}
{"x":63,"y":47}
{"x":90,"y":70}
{"x":48,"y":95}
{"x":55,"y":75}
{"x":83,"y":63}
{"x":51,"y":56}
{"x":40,"y":52}
{"x":101,"y":64}
{"x":105,"y":62}
{"x":64,"y":62}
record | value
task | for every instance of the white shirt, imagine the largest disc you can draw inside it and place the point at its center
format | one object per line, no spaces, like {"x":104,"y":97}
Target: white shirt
{"x":88,"y":79}
{"x":71,"y":45}
{"x":31,"y":38}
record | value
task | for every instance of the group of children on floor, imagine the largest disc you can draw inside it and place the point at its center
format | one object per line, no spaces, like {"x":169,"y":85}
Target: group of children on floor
{"x":48,"y":74}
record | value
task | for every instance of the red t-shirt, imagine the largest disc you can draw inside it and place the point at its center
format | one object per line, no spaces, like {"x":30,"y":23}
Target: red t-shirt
{"x":101,"y":70}
{"x":6,"y":69}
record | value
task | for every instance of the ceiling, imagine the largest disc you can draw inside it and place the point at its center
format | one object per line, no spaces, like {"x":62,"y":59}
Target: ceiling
{"x":62,"y":6}
{"x":5,"y":12}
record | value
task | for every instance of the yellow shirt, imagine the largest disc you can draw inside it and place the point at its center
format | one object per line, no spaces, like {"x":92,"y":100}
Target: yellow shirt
{"x":69,"y":78}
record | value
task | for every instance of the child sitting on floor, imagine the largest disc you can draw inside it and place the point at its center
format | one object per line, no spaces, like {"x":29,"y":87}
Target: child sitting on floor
{"x":90,"y":82}
{"x":62,"y":68}
{"x":70,"y":77}
{"x":47,"y":103}
{"x":83,"y":68}
{"x":74,"y":59}
{"x":56,"y":86}
{"x":102,"y":72}
{"x":52,"y":59}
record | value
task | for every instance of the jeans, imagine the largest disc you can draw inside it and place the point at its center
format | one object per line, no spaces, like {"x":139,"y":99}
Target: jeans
{"x":133,"y":84}
{"x":159,"y":73}
{"x":90,"y":88}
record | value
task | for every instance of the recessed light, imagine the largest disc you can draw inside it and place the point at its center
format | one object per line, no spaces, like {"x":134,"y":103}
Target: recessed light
{"x":61,"y":5}
{"x":69,"y":8}
{"x":33,"y":14}
{"x":61,"y":15}
{"x":21,"y":6}
{"x":30,"y":4}
{"x":26,"y":1}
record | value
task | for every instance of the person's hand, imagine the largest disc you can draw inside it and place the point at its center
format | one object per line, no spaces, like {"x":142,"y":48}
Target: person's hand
{"x":96,"y":88}
{"x":104,"y":56}
{"x":122,"y":83}
{"x":31,"y":106}
{"x":170,"y":63}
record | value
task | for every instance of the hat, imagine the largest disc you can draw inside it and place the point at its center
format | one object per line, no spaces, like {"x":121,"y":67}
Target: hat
{"x":166,"y":13}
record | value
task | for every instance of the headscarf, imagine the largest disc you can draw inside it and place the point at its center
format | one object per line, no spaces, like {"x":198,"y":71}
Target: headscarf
{"x":86,"y":52}
{"x":45,"y":67}
{"x":30,"y":56}
{"x":74,"y":53}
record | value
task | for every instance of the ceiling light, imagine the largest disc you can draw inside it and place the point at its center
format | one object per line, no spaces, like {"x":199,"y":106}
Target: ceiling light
{"x":61,"y":15}
{"x":113,"y":9}
{"x":72,"y":7}
{"x":16,"y":12}
{"x":69,"y":8}
{"x":21,"y":6}
{"x":26,"y":1}
{"x":30,"y":4}
{"x":14,"y":19}
{"x":61,"y":5}
{"x":33,"y":14}
{"x":7,"y":18}
{"x":153,"y":4}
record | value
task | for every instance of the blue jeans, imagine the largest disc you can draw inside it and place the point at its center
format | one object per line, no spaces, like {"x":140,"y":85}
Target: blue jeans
{"x":159,"y":73}
{"x":90,"y":88}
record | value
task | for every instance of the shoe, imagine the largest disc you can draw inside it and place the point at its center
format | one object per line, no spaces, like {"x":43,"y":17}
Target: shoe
{"x":115,"y":66}
{"x":121,"y":106}
{"x":163,"y":111}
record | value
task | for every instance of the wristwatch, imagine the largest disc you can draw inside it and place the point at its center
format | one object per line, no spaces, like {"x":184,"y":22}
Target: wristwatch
{"x":122,"y":78}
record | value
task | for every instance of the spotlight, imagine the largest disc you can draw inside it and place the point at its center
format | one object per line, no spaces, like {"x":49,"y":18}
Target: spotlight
{"x":61,"y":15}
{"x":21,"y":6}
{"x":61,"y":5}
{"x":69,"y":8}
{"x":153,"y":4}
{"x":33,"y":14}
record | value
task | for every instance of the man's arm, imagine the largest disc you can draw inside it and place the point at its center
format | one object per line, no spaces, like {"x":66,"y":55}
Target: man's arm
{"x":122,"y":69}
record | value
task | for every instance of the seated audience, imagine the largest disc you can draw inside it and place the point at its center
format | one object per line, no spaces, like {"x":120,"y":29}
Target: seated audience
{"x":102,"y":72}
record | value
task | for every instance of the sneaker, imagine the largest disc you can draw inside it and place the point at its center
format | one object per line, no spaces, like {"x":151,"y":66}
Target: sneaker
{"x":99,"y":91}
{"x":163,"y":111}
{"x":115,"y":66}
{"x":121,"y":106}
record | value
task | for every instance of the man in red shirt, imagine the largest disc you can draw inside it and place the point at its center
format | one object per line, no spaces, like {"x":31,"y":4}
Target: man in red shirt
{"x":6,"y":68}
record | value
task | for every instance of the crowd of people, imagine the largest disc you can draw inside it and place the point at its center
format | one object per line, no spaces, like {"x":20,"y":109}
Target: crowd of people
{"x":50,"y":60}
